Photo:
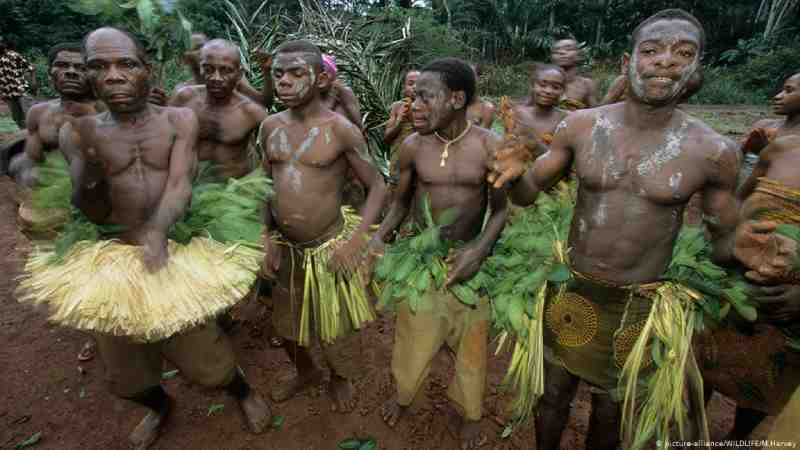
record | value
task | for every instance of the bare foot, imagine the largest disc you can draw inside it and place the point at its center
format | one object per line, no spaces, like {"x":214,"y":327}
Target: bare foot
{"x":392,"y":412}
{"x":342,"y":393}
{"x":289,"y":387}
{"x":87,"y":351}
{"x":256,"y":412}
{"x":471,"y":435}
{"x":146,"y":433}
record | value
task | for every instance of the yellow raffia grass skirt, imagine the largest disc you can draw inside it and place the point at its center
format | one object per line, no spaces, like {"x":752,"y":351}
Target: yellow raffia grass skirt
{"x":104,"y":287}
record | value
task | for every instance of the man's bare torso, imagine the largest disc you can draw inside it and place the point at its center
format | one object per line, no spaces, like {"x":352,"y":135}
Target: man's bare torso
{"x":225,"y":130}
{"x":308,"y":172}
{"x":459,"y":186}
{"x":526,"y":119}
{"x":135,"y":160}
{"x":634,"y":186}
{"x":580,"y":89}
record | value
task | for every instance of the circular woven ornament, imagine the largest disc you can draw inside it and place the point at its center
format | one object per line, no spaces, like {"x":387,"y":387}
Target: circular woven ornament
{"x":573,"y":319}
{"x":624,"y":342}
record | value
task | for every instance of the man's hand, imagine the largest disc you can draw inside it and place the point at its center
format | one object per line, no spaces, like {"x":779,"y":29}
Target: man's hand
{"x":349,"y":255}
{"x":769,"y":255}
{"x":155,"y":252}
{"x":756,"y":141}
{"x":158,"y":97}
{"x":779,"y":304}
{"x":376,"y":248}
{"x":463,"y":264}
{"x":272,"y":259}
{"x":509,"y":163}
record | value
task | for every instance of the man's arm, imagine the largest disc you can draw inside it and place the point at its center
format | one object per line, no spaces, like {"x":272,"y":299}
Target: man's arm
{"x":245,"y":88}
{"x":34,"y":147}
{"x":546,"y":170}
{"x":364,"y":168}
{"x":616,"y":91}
{"x":720,"y":203}
{"x":403,"y":193}
{"x":350,"y":105}
{"x":264,"y":61}
{"x":760,"y":170}
{"x":394,"y":125}
{"x":181,"y":97}
{"x":487,"y":114}
{"x":182,"y":160}
{"x":272,"y":256}
{"x":89,"y":186}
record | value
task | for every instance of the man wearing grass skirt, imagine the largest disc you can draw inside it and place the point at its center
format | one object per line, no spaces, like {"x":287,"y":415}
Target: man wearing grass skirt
{"x":638,"y":163}
{"x":445,"y":164}
{"x":131,"y":168}
{"x":758,"y":364}
{"x":313,"y":246}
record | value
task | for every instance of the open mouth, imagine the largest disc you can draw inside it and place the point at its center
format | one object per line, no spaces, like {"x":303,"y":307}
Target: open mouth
{"x":663,"y":80}
{"x":120,"y":97}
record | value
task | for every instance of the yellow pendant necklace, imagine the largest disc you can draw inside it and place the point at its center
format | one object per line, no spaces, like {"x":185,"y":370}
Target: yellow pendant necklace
{"x":447,"y":143}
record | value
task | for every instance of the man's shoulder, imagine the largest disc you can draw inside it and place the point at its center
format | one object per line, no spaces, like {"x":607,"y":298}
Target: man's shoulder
{"x":275,"y":120}
{"x":38,"y":109}
{"x":190,"y":92}
{"x":179,"y":116}
{"x":251,"y":108}
{"x":707,"y":142}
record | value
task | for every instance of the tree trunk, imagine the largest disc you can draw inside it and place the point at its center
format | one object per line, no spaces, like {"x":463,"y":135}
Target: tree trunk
{"x":598,"y":35}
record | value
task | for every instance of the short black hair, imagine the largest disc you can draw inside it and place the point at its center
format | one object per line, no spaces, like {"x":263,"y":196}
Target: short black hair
{"x":71,"y":47}
{"x":672,"y":14}
{"x":141,"y":51}
{"x":456,"y":74}
{"x":540,"y":66}
{"x":225,"y":44}
{"x":302,"y":46}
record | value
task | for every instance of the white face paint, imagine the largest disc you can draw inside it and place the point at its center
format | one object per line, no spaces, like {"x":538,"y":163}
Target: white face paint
{"x":601,"y":214}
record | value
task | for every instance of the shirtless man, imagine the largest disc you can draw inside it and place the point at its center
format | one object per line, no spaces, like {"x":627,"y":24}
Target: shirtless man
{"x":539,"y":117}
{"x":192,"y":59}
{"x":638,"y":163}
{"x":453,"y":181}
{"x":479,"y":111}
{"x":400,"y":125}
{"x":227,"y":118}
{"x":763,"y":380}
{"x":68,"y":77}
{"x":308,"y":149}
{"x":765,"y":130}
{"x":580,"y":92}
{"x":337,"y":96}
{"x":132,"y":167}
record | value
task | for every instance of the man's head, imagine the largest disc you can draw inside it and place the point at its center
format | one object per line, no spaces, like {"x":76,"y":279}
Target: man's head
{"x":220,"y":67}
{"x":118,"y":70}
{"x":192,"y":56}
{"x":667,"y":49}
{"x":787,"y":102}
{"x":409,"y":82}
{"x":547,"y":84}
{"x":565,"y":53}
{"x":297,"y":73}
{"x":67,"y":70}
{"x":445,"y":88}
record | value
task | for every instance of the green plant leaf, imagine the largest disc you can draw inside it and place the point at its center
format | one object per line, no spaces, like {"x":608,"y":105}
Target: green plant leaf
{"x":213,"y":409}
{"x":507,"y":431}
{"x":169,"y":375}
{"x":277,"y":421}
{"x":368,"y":444}
{"x":559,"y":273}
{"x":31,"y":441}
{"x":351,"y":443}
{"x":147,"y":16}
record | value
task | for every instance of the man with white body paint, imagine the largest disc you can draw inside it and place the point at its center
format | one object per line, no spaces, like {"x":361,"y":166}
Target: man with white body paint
{"x":227,"y":118}
{"x":638,"y":162}
{"x":308,"y":149}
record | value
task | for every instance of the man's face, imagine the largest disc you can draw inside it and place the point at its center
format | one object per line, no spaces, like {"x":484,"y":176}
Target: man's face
{"x":220,"y":69}
{"x":68,"y":74}
{"x":787,"y":102}
{"x":565,"y":53}
{"x":296,"y":79}
{"x":548,"y":87}
{"x":408,"y":84}
{"x":435,"y":104}
{"x":116,"y":73}
{"x":192,"y":56}
{"x":665,"y":56}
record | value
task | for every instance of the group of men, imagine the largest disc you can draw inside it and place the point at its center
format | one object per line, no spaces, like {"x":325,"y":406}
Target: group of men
{"x":637,"y":162}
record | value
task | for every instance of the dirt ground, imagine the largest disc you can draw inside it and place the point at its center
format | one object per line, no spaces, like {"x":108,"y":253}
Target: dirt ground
{"x":45,"y":390}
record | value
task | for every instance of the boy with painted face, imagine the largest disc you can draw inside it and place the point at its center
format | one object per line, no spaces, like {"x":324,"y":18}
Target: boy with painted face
{"x":579,"y":92}
{"x":479,"y":111}
{"x":227,"y":118}
{"x":756,"y":366}
{"x":444,"y":164}
{"x":131,"y":168}
{"x":638,"y":163}
{"x":399,"y":126}
{"x":308,"y":150}
{"x":536,"y":120}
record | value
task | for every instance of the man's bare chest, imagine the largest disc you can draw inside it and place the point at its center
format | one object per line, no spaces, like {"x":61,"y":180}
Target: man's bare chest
{"x":316,"y":147}
{"x":463,"y":164}
{"x":225,"y":126}
{"x":148,"y":148}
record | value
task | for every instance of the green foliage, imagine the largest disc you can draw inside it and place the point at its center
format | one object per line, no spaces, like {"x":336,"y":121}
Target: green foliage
{"x":499,"y":80}
{"x":723,"y":86}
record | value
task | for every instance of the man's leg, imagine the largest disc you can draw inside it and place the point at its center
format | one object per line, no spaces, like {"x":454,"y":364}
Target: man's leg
{"x":133,"y":371}
{"x":205,"y":356}
{"x":346,"y":361}
{"x":417,"y":338}
{"x":15,"y":106}
{"x":604,"y":423}
{"x":469,"y":339}
{"x":553,"y":409}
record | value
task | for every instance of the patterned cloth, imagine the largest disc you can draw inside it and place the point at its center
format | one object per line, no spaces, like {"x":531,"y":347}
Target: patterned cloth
{"x":13,"y":68}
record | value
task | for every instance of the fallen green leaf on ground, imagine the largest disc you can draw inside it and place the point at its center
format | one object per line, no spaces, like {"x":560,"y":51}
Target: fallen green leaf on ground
{"x":277,"y":421}
{"x":213,"y":409}
{"x":31,"y":441}
{"x":169,"y":375}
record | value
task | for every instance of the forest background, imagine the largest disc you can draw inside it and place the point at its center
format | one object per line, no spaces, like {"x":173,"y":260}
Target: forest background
{"x":752,"y":45}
